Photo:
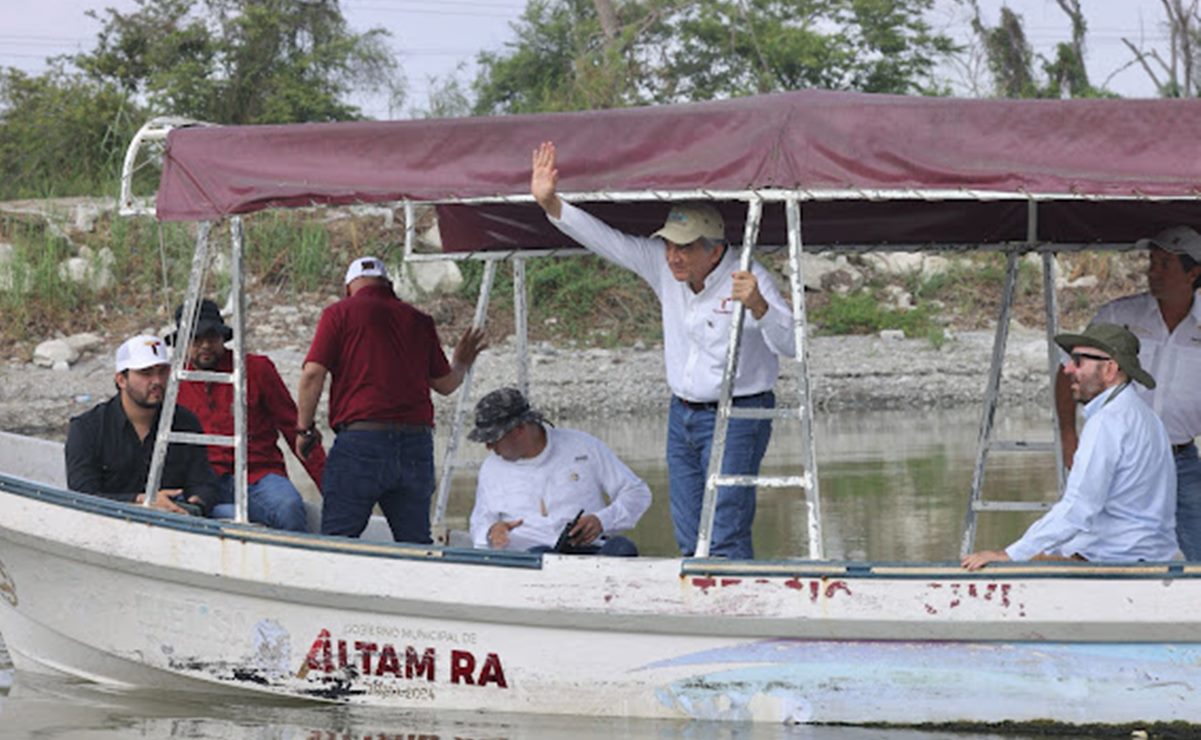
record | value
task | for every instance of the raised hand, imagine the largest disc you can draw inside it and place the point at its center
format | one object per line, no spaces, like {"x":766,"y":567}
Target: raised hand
{"x":544,"y":179}
{"x":469,"y":346}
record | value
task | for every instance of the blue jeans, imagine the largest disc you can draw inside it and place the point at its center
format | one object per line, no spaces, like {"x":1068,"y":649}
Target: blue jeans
{"x":272,"y":501}
{"x":1188,"y":502}
{"x":689,"y":438}
{"x":613,"y":547}
{"x":392,"y":468}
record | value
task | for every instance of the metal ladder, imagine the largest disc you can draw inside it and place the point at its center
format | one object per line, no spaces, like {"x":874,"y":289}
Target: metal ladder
{"x":985,"y":441}
{"x":450,"y":459}
{"x":801,"y":412}
{"x":451,"y":462}
{"x":187,"y":326}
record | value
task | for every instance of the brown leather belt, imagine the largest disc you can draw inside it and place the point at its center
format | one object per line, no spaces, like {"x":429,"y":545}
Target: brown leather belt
{"x":377,"y":426}
{"x":1177,"y":449}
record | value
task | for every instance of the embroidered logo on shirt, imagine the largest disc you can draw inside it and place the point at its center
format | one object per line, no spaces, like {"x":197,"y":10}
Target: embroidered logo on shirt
{"x":724,"y":306}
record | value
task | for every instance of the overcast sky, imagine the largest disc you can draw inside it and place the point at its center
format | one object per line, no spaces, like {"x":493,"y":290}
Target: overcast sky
{"x":434,"y":37}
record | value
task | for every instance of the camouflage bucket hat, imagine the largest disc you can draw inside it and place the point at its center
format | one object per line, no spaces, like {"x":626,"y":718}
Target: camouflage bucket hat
{"x":501,"y":411}
{"x":1117,"y":341}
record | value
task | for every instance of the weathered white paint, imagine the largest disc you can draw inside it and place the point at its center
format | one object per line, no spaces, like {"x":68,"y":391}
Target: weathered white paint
{"x":129,"y":597}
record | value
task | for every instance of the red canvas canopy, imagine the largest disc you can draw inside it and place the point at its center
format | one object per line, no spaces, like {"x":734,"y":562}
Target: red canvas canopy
{"x":880,"y":167}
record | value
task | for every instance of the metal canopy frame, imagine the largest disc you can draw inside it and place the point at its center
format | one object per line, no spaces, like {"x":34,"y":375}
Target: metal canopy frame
{"x":793,"y":200}
{"x":166,"y":434}
{"x":799,"y":411}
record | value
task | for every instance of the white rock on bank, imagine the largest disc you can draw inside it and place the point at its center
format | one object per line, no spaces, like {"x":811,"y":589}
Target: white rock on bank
{"x":419,"y":279}
{"x":94,"y":268}
{"x":925,"y":266}
{"x":825,"y":273}
{"x":6,"y":261}
{"x":53,"y":351}
{"x":83,"y":342}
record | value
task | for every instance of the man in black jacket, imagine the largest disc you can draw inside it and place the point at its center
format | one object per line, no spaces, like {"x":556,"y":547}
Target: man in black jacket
{"x":109,"y":447}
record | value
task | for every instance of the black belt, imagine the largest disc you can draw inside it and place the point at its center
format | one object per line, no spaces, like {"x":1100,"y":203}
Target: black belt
{"x":377,"y":426}
{"x":712,"y":405}
{"x":1177,"y":449}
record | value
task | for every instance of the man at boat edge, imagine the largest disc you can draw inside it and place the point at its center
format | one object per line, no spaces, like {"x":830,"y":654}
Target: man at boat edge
{"x":1119,"y":503}
{"x":385,"y":357}
{"x":1167,"y":321}
{"x":109,"y":447}
{"x":695,"y":277}
{"x":538,"y":481}
{"x":272,"y":499}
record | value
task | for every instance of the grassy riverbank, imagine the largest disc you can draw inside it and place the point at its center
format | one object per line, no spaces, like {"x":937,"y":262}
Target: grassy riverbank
{"x":297,"y":258}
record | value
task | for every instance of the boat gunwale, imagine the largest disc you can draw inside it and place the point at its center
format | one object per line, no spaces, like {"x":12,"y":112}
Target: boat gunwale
{"x":690,"y":568}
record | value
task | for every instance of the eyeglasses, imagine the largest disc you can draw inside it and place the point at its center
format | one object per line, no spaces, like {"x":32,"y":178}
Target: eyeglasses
{"x":1079,"y":357}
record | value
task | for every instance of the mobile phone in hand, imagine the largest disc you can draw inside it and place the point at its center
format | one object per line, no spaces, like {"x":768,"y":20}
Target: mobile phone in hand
{"x":564,"y":544}
{"x":181,"y":500}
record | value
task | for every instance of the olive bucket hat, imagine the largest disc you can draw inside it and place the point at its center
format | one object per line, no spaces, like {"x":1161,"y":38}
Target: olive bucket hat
{"x":1117,"y":341}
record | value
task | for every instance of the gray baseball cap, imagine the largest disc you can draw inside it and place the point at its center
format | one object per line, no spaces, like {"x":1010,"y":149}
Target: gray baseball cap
{"x":1178,"y":240}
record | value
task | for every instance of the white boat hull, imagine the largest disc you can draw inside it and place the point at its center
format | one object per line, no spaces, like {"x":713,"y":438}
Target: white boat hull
{"x":125,"y":596}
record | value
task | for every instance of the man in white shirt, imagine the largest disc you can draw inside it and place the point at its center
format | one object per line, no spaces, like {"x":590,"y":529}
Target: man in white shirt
{"x":1119,"y":504}
{"x":696,"y":279}
{"x":538,"y":481}
{"x":1167,"y":322}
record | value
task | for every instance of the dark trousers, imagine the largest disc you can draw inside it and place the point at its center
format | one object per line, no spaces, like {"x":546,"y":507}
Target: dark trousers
{"x":392,"y":468}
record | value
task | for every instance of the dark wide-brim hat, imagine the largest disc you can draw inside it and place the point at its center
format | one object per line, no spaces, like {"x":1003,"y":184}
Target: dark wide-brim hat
{"x":1117,"y":341}
{"x":501,"y":411}
{"x":209,"y":319}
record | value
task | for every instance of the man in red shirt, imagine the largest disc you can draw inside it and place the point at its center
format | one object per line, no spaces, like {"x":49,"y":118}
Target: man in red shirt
{"x":272,"y":499}
{"x":385,"y":357}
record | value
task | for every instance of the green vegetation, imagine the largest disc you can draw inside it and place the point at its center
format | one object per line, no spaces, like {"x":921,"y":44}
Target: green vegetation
{"x":64,"y":132}
{"x":293,"y":253}
{"x":241,"y":61}
{"x":862,"y":313}
{"x":568,"y":57}
{"x":287,"y":249}
{"x":576,"y":298}
{"x":36,"y":297}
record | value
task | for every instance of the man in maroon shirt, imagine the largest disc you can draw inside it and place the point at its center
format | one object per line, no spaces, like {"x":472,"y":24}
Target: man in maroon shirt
{"x":272,"y":499}
{"x":385,"y":357}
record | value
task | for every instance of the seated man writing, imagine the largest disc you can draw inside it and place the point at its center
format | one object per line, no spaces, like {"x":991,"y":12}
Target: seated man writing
{"x":109,"y":448}
{"x":1119,"y":503}
{"x":538,"y":480}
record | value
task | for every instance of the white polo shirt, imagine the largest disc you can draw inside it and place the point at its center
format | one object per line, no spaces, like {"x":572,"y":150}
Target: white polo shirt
{"x":696,"y":326}
{"x":1173,"y":359}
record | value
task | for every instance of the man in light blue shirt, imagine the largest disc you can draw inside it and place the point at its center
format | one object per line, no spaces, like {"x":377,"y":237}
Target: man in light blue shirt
{"x":1119,"y":504}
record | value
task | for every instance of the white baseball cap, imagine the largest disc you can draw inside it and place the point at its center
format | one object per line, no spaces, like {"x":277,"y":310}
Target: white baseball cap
{"x":366,"y":267}
{"x":1178,"y":240}
{"x":141,"y":352}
